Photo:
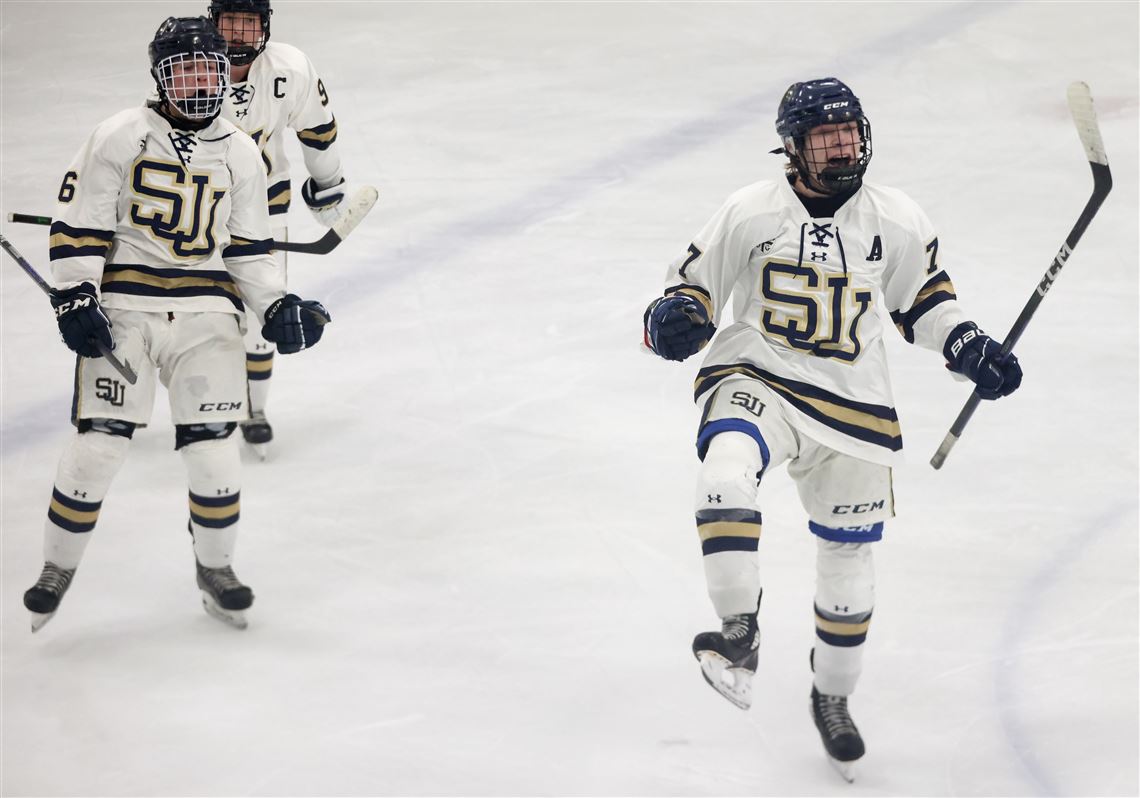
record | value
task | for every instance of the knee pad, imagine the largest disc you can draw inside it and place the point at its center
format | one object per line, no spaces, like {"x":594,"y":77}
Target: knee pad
{"x":108,"y":426}
{"x":186,"y":434}
{"x":728,"y":518}
{"x":845,"y":578}
{"x":91,"y":461}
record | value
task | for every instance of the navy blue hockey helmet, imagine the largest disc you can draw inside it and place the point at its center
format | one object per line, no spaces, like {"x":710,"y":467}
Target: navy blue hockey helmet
{"x":825,"y":101}
{"x":250,"y":46}
{"x":188,"y":62}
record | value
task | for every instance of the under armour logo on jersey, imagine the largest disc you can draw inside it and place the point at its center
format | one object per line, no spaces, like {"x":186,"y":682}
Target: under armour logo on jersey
{"x":819,"y":257}
{"x":715,"y":498}
{"x":184,"y":144}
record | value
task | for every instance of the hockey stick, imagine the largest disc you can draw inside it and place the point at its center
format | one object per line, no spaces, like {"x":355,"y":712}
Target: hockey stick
{"x":123,"y":368}
{"x":356,"y":208}
{"x":1081,"y":107}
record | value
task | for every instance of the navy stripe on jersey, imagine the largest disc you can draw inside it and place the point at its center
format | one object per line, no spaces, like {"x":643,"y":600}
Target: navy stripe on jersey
{"x":139,"y":280}
{"x":243,"y":247}
{"x":320,"y":137}
{"x":279,"y":196}
{"x":877,"y":424}
{"x":934,"y":292}
{"x":74,"y":242}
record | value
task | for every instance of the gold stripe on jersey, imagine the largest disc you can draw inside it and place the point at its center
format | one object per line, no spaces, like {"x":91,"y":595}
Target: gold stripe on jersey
{"x":320,"y":137}
{"x":935,"y":291}
{"x":694,"y":292}
{"x":138,"y":280}
{"x":74,"y":242}
{"x":875,"y":424}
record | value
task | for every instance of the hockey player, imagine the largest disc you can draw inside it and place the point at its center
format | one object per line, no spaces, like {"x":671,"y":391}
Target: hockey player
{"x":273,"y":87}
{"x":800,"y":377}
{"x":161,"y":250}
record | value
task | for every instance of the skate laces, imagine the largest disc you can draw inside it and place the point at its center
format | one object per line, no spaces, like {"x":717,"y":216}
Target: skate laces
{"x":55,"y":579}
{"x":739,"y":627}
{"x":222,"y":580}
{"x":833,"y":710}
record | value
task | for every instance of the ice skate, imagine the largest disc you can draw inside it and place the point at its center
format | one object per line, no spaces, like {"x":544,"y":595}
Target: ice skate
{"x":224,"y":596}
{"x":840,"y":738}
{"x":42,"y":599}
{"x":728,"y":658}
{"x":257,"y":433}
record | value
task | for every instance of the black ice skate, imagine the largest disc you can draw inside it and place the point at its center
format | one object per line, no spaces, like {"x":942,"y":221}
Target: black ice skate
{"x":728,"y":658}
{"x":224,"y":596}
{"x":840,"y":737}
{"x":257,"y":433}
{"x":43,"y":598}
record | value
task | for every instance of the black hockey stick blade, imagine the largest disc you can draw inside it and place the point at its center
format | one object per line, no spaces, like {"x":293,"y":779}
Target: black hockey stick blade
{"x":1084,"y":116}
{"x":124,"y":369}
{"x":356,"y":208}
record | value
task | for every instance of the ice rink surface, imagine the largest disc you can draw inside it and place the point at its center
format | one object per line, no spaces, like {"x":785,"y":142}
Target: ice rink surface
{"x":473,"y":548}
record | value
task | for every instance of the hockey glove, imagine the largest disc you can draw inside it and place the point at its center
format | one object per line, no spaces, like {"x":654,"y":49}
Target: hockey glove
{"x":294,"y":323}
{"x":677,"y":326}
{"x":81,"y":319}
{"x":323,"y":202}
{"x":970,"y":351}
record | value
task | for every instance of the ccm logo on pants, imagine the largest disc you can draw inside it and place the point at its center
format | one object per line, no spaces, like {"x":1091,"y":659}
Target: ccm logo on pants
{"x":852,"y":509}
{"x":208,"y":406}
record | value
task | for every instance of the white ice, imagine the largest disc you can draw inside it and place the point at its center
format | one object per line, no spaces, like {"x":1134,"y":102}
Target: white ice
{"x":473,"y":549}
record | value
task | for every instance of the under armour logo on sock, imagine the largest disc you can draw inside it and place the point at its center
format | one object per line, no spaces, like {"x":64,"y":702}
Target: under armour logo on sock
{"x":80,"y":493}
{"x":840,"y":609}
{"x":715,"y":498}
{"x":223,"y":491}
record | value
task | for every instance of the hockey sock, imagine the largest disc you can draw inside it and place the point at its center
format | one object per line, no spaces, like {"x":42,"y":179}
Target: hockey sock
{"x":258,"y":370}
{"x":728,"y":522}
{"x":844,"y":600}
{"x":89,"y":463}
{"x":213,"y":468}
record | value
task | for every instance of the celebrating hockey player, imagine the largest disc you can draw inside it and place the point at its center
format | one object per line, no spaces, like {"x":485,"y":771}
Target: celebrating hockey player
{"x":800,"y":377}
{"x":273,"y":87}
{"x":161,"y":250}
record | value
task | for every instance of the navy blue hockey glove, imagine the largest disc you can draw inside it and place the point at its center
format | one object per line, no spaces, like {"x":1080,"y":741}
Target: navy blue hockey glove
{"x":81,"y":319}
{"x":323,"y":202}
{"x":294,"y":323}
{"x":970,"y":351}
{"x":677,"y":326}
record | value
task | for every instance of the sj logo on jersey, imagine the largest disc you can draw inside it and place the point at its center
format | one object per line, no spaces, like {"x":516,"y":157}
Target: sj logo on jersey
{"x":748,"y":402}
{"x":177,"y":206}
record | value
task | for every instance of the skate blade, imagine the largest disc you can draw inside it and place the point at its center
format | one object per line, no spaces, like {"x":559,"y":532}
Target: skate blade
{"x":735,"y":684}
{"x":234,"y":618}
{"x":40,"y":619}
{"x":260,"y":450}
{"x":844,"y":769}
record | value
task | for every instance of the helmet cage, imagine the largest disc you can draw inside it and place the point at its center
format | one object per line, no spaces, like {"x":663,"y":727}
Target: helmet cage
{"x":179,"y":78}
{"x":830,"y":179}
{"x":243,"y":53}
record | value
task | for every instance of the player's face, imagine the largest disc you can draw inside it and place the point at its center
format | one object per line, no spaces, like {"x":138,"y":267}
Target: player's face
{"x":190,"y":76}
{"x":832,"y":145}
{"x":241,"y":29}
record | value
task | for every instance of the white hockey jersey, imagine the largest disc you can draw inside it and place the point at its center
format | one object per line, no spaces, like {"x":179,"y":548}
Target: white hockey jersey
{"x":807,"y":294}
{"x":163,"y":219}
{"x":282,"y":91}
